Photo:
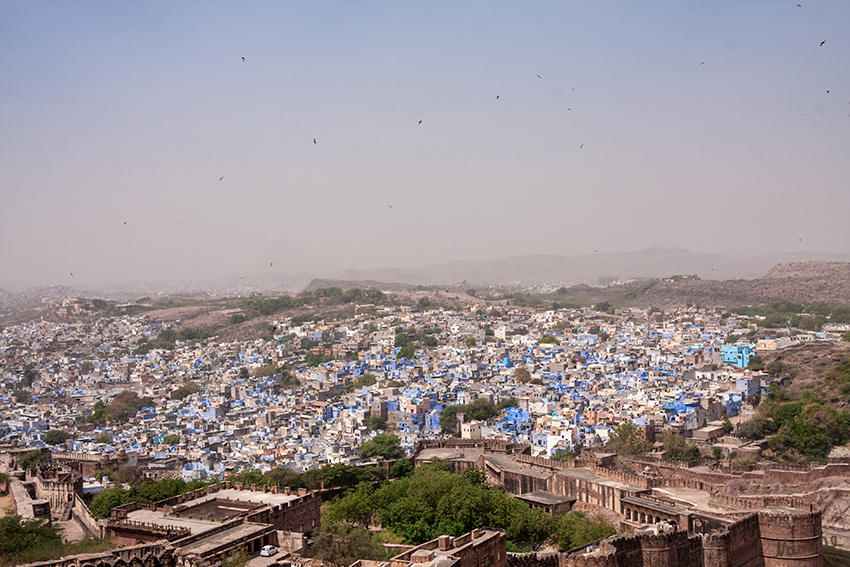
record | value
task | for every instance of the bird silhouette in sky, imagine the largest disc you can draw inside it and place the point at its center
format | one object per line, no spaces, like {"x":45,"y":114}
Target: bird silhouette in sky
{"x":821,"y":43}
{"x":827,"y":92}
{"x":125,"y":222}
{"x":581,"y":146}
{"x":72,"y":274}
{"x":243,"y":59}
{"x":497,"y":97}
{"x":702,"y":62}
{"x":271,"y":264}
{"x":800,"y":239}
{"x":597,"y":251}
{"x":220,"y":178}
{"x":538,"y":76}
{"x":420,"y":122}
{"x":390,"y":206}
{"x":799,"y":5}
{"x":314,"y":141}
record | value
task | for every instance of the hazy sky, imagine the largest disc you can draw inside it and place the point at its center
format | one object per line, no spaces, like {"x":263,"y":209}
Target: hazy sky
{"x":705,"y":125}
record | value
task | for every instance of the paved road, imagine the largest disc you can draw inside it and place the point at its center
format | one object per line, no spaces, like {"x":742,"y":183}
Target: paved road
{"x":258,"y":561}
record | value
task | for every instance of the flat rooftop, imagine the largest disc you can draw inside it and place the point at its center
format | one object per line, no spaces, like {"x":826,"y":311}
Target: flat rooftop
{"x":547,"y":498}
{"x":697,"y":500}
{"x":211,"y":542}
{"x":262,"y":498}
{"x":163,"y":519}
{"x":585,"y":474}
{"x":507,"y":463}
{"x":451,"y":453}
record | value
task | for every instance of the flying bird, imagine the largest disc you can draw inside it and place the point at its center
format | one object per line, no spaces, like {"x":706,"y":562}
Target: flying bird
{"x":821,"y":43}
{"x":72,"y":274}
{"x":314,"y":141}
{"x":538,"y":76}
{"x":702,"y":62}
{"x":243,"y":59}
{"x":799,"y":5}
{"x":581,"y":146}
{"x":420,"y":122}
{"x":800,"y":239}
{"x":597,"y":251}
{"x":390,"y":206}
{"x":827,"y":92}
{"x":220,"y":178}
{"x":125,"y":222}
{"x":271,"y":264}
{"x":497,"y":97}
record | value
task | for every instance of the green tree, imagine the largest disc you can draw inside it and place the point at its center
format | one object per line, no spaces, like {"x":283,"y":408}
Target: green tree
{"x":470,"y":342}
{"x":576,"y":529}
{"x":751,"y":429}
{"x":30,"y":459}
{"x":628,"y":438}
{"x":100,"y":414}
{"x":382,"y":445}
{"x":356,"y":507}
{"x":401,"y":468}
{"x":562,"y":455}
{"x":343,"y":543}
{"x":126,"y":404}
{"x":171,"y":440}
{"x":239,"y":557}
{"x":184,"y":390}
{"x":602,"y":306}
{"x":755,"y":363}
{"x":407,"y":351}
{"x":677,"y":449}
{"x":107,"y":499}
{"x":56,"y":436}
{"x":522,"y":375}
{"x":102,"y":437}
{"x":366,"y":380}
{"x":776,"y":367}
{"x":375,"y":422}
{"x":448,"y":417}
{"x":846,"y":336}
{"x":19,"y":536}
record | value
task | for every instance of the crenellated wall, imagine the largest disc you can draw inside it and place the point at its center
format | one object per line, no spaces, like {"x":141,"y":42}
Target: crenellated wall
{"x":158,"y":554}
{"x":791,"y":539}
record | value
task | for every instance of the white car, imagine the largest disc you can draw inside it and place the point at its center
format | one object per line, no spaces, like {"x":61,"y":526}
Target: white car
{"x":268,"y":551}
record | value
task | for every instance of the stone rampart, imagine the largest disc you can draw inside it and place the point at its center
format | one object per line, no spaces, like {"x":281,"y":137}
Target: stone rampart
{"x":533,"y":560}
{"x":545,"y":463}
{"x":791,"y":539}
{"x":83,"y":517}
{"x":158,"y":554}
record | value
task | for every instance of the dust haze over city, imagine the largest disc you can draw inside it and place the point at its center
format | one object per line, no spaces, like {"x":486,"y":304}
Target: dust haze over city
{"x":192,"y":142}
{"x":424,"y":284}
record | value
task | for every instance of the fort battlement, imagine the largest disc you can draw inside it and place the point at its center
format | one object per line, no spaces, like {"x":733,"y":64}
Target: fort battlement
{"x":489,"y":445}
{"x":545,"y":463}
{"x":158,"y":554}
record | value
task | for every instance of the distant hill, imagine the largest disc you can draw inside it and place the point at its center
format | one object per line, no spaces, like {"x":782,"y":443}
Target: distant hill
{"x":345,"y":285}
{"x":593,"y":269}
